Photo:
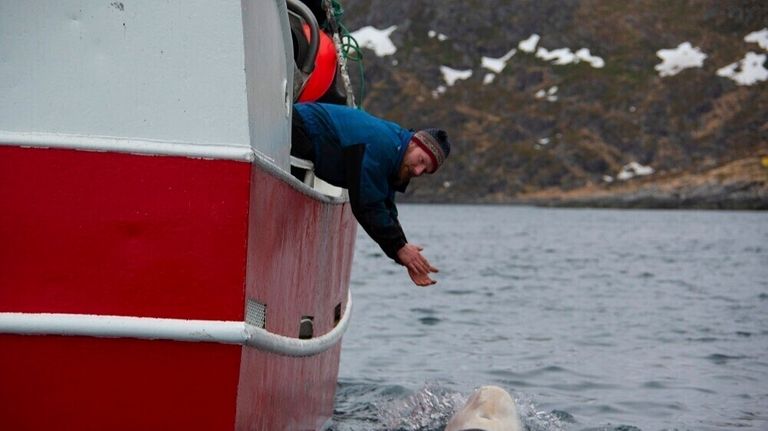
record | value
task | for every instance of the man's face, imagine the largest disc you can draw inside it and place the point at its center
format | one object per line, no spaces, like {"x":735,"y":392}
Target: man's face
{"x":416,"y":162}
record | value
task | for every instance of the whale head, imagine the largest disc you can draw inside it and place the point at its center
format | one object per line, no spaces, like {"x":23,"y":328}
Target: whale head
{"x":490,"y":408}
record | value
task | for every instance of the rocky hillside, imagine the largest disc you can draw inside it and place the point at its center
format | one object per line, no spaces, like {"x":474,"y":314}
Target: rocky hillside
{"x":557,"y":102}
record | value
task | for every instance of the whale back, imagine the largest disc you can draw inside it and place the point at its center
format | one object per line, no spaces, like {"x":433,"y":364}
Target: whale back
{"x":490,"y":408}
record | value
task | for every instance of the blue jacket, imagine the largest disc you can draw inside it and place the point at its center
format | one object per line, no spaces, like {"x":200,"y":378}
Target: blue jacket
{"x":363,"y":154}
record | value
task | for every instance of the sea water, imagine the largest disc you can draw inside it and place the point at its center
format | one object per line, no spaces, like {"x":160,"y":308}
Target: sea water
{"x":591,"y":319}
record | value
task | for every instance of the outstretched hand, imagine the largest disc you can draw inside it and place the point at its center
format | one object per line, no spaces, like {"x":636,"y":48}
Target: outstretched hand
{"x":418,"y":266}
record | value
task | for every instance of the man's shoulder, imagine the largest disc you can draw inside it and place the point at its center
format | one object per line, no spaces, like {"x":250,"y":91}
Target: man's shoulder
{"x":329,"y":108}
{"x":346,"y":112}
{"x":355,"y":126}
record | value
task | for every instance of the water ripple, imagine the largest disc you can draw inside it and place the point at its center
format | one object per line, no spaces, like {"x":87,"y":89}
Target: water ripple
{"x":611,"y":320}
{"x":722,"y":359}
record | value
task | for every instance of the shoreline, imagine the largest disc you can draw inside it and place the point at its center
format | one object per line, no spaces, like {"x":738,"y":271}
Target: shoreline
{"x":738,"y":185}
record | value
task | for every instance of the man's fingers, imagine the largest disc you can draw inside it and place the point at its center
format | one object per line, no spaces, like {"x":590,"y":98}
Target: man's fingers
{"x":424,"y":262}
{"x":420,"y":279}
{"x":423,"y":267}
{"x":418,"y":268}
{"x":425,"y":281}
{"x":418,"y":264}
{"x":427,"y":266}
{"x":428,"y":281}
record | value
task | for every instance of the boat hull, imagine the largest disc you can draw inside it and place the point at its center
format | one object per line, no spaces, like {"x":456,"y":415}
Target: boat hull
{"x":118,"y":234}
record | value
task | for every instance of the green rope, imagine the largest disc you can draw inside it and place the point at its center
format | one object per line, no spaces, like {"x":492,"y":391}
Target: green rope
{"x":350,"y":49}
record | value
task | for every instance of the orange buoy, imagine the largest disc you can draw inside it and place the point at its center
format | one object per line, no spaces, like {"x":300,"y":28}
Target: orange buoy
{"x":322,"y":76}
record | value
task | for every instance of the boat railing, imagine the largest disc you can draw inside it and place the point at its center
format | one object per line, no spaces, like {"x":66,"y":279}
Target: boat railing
{"x":185,"y":330}
{"x":311,"y":180}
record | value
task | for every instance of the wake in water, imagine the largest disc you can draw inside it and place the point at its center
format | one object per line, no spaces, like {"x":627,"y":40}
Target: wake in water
{"x":429,"y":408}
{"x":372,"y":407}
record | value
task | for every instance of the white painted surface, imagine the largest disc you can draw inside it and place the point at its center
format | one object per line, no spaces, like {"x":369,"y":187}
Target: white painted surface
{"x":242,"y":152}
{"x":269,"y":76}
{"x":150,"y":328}
{"x":148,"y":70}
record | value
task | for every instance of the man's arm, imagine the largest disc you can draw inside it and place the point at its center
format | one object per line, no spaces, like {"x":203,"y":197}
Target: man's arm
{"x":375,"y":210}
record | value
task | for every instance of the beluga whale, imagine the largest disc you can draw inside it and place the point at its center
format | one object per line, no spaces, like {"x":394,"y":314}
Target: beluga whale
{"x":489,"y":408}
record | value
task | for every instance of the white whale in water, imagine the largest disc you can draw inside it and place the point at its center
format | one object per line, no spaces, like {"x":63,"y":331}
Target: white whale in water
{"x":490,"y":408}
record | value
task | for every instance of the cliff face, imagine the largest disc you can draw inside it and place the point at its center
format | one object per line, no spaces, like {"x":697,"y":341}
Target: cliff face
{"x":585,"y":102}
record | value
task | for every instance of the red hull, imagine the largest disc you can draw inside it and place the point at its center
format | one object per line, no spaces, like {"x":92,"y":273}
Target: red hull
{"x":173,"y":237}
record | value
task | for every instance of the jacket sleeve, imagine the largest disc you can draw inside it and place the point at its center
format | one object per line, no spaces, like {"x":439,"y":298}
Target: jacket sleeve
{"x":372,"y":201}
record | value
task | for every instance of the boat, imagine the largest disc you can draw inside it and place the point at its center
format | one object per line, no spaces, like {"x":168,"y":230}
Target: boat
{"x":160,"y":267}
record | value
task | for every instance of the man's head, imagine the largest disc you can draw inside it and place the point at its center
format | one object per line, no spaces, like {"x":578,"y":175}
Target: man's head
{"x":427,"y":150}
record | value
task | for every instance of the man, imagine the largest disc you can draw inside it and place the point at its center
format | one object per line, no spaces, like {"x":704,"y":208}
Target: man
{"x":372,"y":159}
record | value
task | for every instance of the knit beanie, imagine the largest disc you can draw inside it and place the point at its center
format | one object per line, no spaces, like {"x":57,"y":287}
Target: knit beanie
{"x":435,"y":143}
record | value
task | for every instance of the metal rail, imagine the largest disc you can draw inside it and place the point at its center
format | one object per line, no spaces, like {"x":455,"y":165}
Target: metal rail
{"x":151,"y":328}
